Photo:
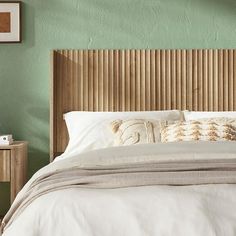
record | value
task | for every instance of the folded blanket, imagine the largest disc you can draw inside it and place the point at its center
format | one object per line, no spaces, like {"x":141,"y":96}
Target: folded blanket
{"x":141,"y":165}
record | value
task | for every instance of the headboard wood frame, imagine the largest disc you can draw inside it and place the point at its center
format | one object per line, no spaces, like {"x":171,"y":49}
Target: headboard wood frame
{"x":138,"y":80}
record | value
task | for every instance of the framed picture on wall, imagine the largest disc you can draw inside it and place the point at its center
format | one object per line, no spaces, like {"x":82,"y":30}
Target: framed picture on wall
{"x":10,"y":21}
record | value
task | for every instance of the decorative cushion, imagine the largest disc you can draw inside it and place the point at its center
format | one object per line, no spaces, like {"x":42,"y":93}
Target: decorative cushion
{"x":198,"y":131}
{"x":231,"y":121}
{"x":136,"y":131}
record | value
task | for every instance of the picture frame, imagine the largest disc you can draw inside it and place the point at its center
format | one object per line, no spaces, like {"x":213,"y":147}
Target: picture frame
{"x":10,"y":21}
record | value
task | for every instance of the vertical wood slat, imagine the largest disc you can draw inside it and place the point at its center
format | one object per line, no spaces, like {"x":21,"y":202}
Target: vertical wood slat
{"x":163,"y":79}
{"x":210,"y":80}
{"x":86,"y":81}
{"x":142,"y":80}
{"x":105,"y":81}
{"x":231,"y":80}
{"x":183,"y":80}
{"x":147,"y":69}
{"x":179,"y":80}
{"x":173,"y":79}
{"x":137,"y":78}
{"x":225,"y":80}
{"x":168,"y":80}
{"x":216,"y":80}
{"x":189,"y":80}
{"x":200,"y":80}
{"x":122,"y":84}
{"x":132,"y":81}
{"x":153,"y":80}
{"x":125,"y":80}
{"x":158,"y":79}
{"x":205,"y":80}
{"x":90,"y":81}
{"x":221,"y":80}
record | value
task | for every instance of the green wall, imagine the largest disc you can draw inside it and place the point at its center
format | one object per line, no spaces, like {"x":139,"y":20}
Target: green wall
{"x":50,"y":24}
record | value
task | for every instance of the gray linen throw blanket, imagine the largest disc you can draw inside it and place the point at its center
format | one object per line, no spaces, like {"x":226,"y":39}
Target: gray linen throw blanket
{"x":141,"y":165}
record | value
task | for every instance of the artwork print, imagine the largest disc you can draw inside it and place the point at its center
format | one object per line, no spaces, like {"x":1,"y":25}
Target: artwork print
{"x":10,"y":22}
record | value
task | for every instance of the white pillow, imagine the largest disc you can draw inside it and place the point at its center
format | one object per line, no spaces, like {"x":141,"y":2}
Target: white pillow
{"x":195,"y":115}
{"x":90,"y":130}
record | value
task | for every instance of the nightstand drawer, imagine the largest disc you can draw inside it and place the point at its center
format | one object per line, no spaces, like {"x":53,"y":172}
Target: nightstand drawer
{"x":5,"y":165}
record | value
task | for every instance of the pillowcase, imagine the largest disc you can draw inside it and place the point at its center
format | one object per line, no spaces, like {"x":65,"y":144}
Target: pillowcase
{"x":91,"y":131}
{"x":198,"y":131}
{"x":135,"y":131}
{"x":195,"y":115}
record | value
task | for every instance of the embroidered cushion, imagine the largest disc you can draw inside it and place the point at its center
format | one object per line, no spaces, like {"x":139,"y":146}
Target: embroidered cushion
{"x":136,"y":131}
{"x":231,"y":121}
{"x":198,"y":131}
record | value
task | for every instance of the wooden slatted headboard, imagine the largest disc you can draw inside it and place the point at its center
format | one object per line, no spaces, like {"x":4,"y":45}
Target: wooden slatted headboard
{"x":138,"y":80}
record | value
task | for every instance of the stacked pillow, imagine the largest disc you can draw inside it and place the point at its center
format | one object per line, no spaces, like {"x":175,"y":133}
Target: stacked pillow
{"x":92,"y":130}
{"x":198,"y":126}
{"x":95,"y":130}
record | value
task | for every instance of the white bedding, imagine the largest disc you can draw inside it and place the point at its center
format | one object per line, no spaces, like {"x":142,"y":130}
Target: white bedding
{"x":198,"y":210}
{"x":154,"y":210}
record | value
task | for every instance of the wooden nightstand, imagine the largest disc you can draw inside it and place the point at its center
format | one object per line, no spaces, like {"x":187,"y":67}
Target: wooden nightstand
{"x":13,"y":166}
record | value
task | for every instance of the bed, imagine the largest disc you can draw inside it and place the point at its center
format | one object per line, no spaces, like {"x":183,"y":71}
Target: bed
{"x":154,"y":187}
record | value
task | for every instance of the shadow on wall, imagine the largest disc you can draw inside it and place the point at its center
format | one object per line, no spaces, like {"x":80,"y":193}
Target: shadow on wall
{"x":37,"y":160}
{"x":4,"y":198}
{"x":228,"y":6}
{"x":38,"y":156}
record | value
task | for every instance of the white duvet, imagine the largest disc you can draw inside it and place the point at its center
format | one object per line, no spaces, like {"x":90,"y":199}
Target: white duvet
{"x":152,"y":210}
{"x":200,"y":210}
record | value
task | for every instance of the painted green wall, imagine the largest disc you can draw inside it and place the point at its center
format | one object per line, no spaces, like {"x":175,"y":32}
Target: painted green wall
{"x":50,"y":24}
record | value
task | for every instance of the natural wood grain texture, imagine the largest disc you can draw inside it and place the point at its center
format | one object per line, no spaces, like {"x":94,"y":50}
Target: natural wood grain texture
{"x":137,"y":79}
{"x":168,"y":80}
{"x":189,"y":80}
{"x":216,"y":80}
{"x":200,"y":80}
{"x":128,"y":80}
{"x":5,"y":170}
{"x":210,"y":80}
{"x":179,"y":80}
{"x":13,"y":166}
{"x":173,"y":78}
{"x":18,"y":169}
{"x":221,"y":79}
{"x":158,"y":79}
{"x":142,"y":80}
{"x":183,"y":80}
{"x":231,"y":80}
